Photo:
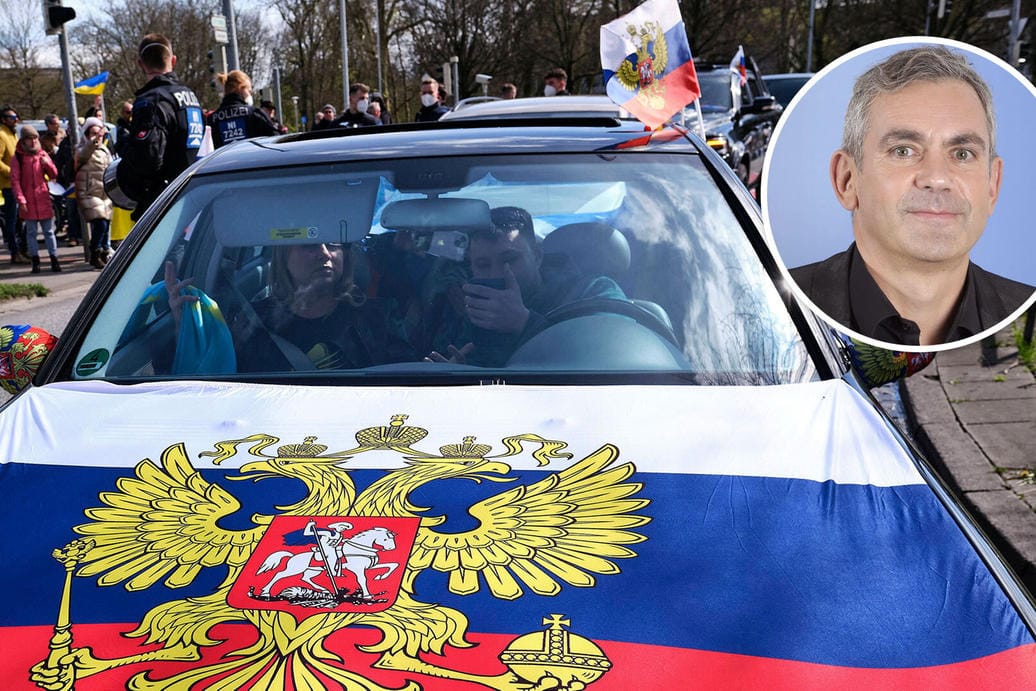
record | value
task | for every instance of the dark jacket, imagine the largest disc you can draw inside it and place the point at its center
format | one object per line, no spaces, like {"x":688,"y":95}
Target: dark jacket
{"x":826,"y":283}
{"x":431,"y":113}
{"x":166,"y":131}
{"x":357,"y":119}
{"x":235,"y":120}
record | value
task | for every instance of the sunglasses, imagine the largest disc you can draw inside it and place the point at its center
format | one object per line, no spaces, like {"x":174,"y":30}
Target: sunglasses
{"x":10,"y":116}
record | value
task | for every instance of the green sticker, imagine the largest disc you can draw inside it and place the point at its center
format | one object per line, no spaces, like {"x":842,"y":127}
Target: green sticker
{"x":303,"y":233}
{"x":92,"y":362}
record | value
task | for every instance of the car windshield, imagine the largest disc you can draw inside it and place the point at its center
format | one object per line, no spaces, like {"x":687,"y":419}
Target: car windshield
{"x":543,"y":266}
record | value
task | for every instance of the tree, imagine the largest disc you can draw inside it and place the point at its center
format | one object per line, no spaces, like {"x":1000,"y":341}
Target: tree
{"x":25,"y":83}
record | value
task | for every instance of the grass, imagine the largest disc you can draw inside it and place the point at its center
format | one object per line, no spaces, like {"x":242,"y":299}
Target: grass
{"x":10,"y":291}
{"x":1026,"y":351}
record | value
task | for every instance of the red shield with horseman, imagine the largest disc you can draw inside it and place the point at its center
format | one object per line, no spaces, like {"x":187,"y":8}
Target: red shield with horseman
{"x":309,"y":565}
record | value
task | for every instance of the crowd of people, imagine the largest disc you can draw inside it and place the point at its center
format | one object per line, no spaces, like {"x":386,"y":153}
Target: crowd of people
{"x":53,"y":190}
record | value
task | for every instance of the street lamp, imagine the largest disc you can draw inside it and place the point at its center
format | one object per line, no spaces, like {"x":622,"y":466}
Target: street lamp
{"x":295,"y":105}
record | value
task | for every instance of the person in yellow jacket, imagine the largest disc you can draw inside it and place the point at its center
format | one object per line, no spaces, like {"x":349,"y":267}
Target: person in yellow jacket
{"x":8,"y":142}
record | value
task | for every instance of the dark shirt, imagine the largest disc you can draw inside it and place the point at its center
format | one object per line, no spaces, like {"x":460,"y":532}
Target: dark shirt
{"x":357,"y":119}
{"x":843,"y":288}
{"x":350,"y":337}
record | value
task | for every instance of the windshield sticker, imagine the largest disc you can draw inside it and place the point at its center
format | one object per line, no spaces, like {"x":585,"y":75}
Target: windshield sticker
{"x":92,"y":362}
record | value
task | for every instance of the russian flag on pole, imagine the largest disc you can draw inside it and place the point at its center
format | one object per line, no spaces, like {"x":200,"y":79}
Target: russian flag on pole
{"x":92,"y":86}
{"x":738,"y":64}
{"x":648,"y":68}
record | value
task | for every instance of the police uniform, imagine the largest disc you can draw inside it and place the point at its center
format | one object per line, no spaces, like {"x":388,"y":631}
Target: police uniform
{"x":166,"y":131}
{"x":236,"y":120}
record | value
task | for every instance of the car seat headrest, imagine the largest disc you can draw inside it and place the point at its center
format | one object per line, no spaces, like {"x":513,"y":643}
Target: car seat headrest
{"x":593,"y":247}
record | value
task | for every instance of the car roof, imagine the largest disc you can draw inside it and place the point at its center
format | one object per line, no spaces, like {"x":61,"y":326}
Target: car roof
{"x":453,"y":138}
{"x":788,"y":75}
{"x":545,"y":106}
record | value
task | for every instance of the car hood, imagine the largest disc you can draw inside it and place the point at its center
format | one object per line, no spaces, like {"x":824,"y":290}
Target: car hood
{"x":652,"y":533}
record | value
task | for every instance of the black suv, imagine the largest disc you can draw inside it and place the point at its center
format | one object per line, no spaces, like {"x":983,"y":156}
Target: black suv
{"x":739,"y":131}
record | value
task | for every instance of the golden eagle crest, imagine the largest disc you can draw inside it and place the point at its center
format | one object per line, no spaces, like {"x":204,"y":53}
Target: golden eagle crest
{"x":343,"y":557}
{"x":643,"y":76}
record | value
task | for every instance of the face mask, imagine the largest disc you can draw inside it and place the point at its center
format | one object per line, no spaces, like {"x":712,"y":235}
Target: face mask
{"x":362,"y":105}
{"x":549,"y":90}
{"x":428,"y":100}
{"x":249,"y":100}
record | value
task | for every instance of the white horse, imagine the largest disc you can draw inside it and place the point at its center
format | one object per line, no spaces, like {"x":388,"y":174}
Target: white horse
{"x":357,"y":555}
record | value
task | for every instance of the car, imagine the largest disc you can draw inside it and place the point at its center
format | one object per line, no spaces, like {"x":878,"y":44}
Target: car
{"x":785,"y":86}
{"x":738,"y":118}
{"x":229,"y":472}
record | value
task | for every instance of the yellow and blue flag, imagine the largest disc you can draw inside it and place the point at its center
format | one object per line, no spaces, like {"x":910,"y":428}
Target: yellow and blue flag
{"x":92,"y":86}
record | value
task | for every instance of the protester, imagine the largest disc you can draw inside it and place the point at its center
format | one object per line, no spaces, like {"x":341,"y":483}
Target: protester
{"x":166,"y":129}
{"x":374,"y":110}
{"x":92,"y":159}
{"x":356,"y":115}
{"x":386,"y":116}
{"x":66,"y":163}
{"x":325,"y":118}
{"x":237,"y":119}
{"x":30,"y":167}
{"x":8,"y":144}
{"x":431,"y":103}
{"x":122,"y":127}
{"x":508,"y":91}
{"x":555,"y":83}
{"x":271,"y":112}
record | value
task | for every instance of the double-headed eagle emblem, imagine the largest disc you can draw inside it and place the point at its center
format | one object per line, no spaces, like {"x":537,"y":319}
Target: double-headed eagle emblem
{"x":641,"y":71}
{"x":339,"y":558}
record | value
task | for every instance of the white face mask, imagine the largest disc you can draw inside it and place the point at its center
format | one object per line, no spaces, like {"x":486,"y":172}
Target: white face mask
{"x":549,"y":90}
{"x":428,"y":100}
{"x":249,"y":100}
{"x":362,"y":105}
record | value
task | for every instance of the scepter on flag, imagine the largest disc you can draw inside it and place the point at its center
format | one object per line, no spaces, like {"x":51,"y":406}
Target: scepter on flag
{"x":647,"y":62}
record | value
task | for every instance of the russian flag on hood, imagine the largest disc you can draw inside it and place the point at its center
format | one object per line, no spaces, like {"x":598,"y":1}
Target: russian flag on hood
{"x":464,"y":538}
{"x":648,"y":68}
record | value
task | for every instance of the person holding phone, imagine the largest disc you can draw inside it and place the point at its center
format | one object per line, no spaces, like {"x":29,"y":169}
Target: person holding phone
{"x":509,"y":294}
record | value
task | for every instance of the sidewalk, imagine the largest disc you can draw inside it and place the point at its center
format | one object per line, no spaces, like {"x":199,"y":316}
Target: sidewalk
{"x":76,"y":273}
{"x":976,"y":422}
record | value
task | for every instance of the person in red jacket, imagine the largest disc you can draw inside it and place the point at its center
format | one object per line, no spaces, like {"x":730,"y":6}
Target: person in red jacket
{"x":31,"y":167}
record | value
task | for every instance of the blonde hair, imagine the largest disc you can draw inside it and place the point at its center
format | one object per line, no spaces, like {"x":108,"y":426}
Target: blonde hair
{"x":283,"y":287}
{"x":233,"y":81}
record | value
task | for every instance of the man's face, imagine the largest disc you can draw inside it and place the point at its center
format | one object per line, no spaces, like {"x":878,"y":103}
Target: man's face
{"x":489,"y":255}
{"x":355,"y":98}
{"x":430,"y":88}
{"x":53,"y":126}
{"x":329,"y":113}
{"x":926,"y":184}
{"x":558,"y":84}
{"x":9,"y":118}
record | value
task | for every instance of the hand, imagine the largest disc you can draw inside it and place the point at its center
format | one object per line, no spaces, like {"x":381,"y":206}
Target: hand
{"x":175,"y":290}
{"x":497,"y":310}
{"x":456,"y":357}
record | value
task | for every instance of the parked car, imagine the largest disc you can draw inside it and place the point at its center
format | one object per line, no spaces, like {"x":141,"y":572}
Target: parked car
{"x":738,"y":130}
{"x":785,"y":86}
{"x":667,"y":478}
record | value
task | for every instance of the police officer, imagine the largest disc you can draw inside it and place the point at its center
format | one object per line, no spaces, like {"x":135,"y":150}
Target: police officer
{"x":166,"y":128}
{"x":236,"y":118}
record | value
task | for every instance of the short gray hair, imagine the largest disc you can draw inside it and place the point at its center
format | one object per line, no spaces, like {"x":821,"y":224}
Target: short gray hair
{"x":928,"y":64}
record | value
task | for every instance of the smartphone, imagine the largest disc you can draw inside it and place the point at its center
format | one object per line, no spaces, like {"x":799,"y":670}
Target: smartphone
{"x":494,"y":283}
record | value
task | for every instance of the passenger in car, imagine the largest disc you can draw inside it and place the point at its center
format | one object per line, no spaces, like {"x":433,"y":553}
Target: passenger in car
{"x":511,"y":292}
{"x":314,"y":318}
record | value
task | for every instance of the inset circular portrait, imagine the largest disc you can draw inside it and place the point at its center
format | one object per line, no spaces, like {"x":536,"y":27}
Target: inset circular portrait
{"x":897,"y":190}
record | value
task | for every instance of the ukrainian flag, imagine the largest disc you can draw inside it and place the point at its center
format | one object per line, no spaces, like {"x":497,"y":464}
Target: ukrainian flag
{"x":92,"y":86}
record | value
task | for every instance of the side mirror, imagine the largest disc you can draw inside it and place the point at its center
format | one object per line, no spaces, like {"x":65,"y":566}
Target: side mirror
{"x":23,"y":349}
{"x":761,"y":104}
{"x":878,"y":366}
